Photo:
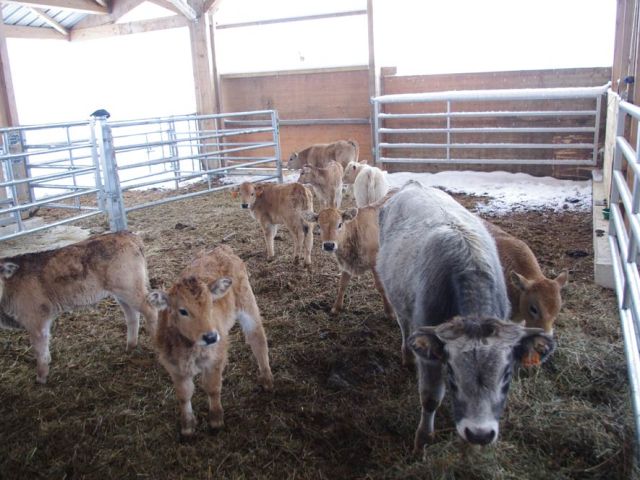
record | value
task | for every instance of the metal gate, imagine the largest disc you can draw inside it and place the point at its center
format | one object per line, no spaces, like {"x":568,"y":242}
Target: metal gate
{"x":80,"y":169}
{"x":624,"y":240}
{"x":443,"y":127}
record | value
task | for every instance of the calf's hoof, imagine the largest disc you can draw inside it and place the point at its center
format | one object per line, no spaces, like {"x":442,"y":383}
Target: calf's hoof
{"x":41,"y":380}
{"x":266,"y":381}
{"x":216,"y":421}
{"x":422,"y":438}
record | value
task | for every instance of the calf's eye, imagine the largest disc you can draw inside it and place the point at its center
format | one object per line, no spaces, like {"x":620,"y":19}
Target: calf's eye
{"x":533,"y":310}
{"x":183,"y":312}
{"x":340,"y":225}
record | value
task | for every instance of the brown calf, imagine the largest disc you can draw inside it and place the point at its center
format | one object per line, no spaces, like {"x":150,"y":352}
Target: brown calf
{"x":534,"y":298}
{"x":326,"y":183}
{"x":36,"y":287}
{"x":276,"y":204}
{"x":195,"y":317}
{"x":319,"y":155}
{"x":352,"y":236}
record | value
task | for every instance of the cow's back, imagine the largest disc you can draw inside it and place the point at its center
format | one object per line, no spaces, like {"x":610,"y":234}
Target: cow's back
{"x":278,"y":201}
{"x":73,"y":274}
{"x":436,"y":256}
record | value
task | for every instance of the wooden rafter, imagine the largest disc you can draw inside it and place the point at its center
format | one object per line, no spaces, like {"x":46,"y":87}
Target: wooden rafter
{"x":85,"y":6}
{"x":16,"y":31}
{"x":49,"y":21}
{"x":167,"y":5}
{"x":186,"y":9}
{"x":118,"y":9}
{"x":115,"y":29}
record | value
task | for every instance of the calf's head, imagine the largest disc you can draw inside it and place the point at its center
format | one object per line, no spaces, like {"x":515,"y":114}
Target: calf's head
{"x":479,"y":355}
{"x":249,"y":193}
{"x":307,"y":174}
{"x":331,"y":222}
{"x":293,"y":163}
{"x":540,"y":300}
{"x":7,"y":269}
{"x":351,"y":171}
{"x":195,"y":308}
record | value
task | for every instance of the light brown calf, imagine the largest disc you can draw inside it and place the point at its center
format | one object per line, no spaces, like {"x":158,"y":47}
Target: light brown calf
{"x":36,"y":287}
{"x":195,"y":317}
{"x":319,"y":155}
{"x":276,"y":204}
{"x":352,"y":236}
{"x":534,"y":298}
{"x":326,"y":183}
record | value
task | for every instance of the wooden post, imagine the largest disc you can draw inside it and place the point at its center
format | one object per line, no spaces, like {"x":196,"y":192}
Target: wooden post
{"x":203,"y":81}
{"x":9,"y":118}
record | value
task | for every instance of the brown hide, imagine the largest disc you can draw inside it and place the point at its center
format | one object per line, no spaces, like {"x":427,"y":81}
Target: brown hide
{"x":195,"y":318}
{"x":534,"y":298}
{"x":43,"y":284}
{"x":319,"y":155}
{"x":326,"y":183}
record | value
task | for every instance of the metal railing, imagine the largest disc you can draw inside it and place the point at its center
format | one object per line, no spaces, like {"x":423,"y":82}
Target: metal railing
{"x":447,"y":118}
{"x":624,"y":241}
{"x":81,"y":169}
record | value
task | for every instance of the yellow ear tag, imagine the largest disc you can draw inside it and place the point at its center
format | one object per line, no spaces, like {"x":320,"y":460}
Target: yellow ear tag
{"x":531,"y":359}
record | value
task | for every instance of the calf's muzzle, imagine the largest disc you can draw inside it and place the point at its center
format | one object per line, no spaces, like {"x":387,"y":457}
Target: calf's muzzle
{"x":329,"y":246}
{"x":245,"y":205}
{"x":210,"y":338}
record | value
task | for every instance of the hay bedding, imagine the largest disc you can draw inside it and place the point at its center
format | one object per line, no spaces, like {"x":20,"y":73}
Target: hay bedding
{"x":343,"y":407}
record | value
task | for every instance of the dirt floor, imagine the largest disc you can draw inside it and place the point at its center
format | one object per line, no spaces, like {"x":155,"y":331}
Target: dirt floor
{"x":343,"y":406}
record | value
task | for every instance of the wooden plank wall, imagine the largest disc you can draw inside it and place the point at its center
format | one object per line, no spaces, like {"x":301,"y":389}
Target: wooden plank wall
{"x":343,"y":93}
{"x":299,"y":95}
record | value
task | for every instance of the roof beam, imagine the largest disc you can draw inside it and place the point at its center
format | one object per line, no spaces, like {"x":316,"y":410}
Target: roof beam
{"x":166,"y":4}
{"x":118,"y":9}
{"x":49,"y":21}
{"x":85,"y":6}
{"x":115,"y":29}
{"x":185,"y":8}
{"x":16,"y":31}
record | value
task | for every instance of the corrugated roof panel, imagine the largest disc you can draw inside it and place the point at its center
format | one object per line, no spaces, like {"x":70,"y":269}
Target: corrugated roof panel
{"x":14,"y":14}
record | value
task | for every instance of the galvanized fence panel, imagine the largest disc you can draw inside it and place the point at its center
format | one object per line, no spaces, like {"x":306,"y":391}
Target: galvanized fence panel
{"x":80,"y":169}
{"x":446,"y":110}
{"x":624,"y":240}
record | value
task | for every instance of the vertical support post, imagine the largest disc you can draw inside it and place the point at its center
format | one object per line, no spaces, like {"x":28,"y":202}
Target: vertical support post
{"x":96,"y":163}
{"x":448,"y":130}
{"x":173,"y":148}
{"x":376,"y":132}
{"x":374,"y":77}
{"x":596,"y":133}
{"x":275,"y":126}
{"x":112,"y":192}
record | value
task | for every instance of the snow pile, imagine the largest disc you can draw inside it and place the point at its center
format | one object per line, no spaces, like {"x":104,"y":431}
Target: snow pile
{"x":507,"y":192}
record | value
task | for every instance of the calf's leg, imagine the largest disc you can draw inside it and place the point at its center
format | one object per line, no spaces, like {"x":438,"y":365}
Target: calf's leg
{"x":132,"y":318}
{"x":251,"y":323}
{"x":431,"y":386}
{"x":184,"y":391}
{"x":40,"y":343}
{"x":269,"y":234}
{"x":212,"y":385}
{"x":342,"y":286}
{"x":388,"y":309}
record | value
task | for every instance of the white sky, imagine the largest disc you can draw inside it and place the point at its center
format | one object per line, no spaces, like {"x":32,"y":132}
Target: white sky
{"x":149,"y":74}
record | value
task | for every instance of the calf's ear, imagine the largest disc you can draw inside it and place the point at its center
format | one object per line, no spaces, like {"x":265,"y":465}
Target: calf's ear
{"x":259,"y":189}
{"x":519,"y":281}
{"x":220,"y":287}
{"x":7,"y":269}
{"x":534,"y":348}
{"x":158,"y":299}
{"x":562,"y":279}
{"x":309,"y":216}
{"x":349,"y":214}
{"x":426,"y":344}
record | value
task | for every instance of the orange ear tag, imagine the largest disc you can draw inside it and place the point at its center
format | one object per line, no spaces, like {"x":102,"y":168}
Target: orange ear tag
{"x":531,"y":359}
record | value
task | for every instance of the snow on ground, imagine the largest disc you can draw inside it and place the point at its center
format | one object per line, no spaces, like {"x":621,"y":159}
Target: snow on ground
{"x":508,"y":192}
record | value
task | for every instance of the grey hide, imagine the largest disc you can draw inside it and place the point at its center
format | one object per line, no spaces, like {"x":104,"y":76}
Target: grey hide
{"x":437,"y":262}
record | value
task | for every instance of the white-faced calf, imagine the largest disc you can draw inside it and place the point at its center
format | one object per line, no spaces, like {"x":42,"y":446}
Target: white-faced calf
{"x":36,"y":287}
{"x":369,"y":183}
{"x":534,"y":298}
{"x":195,"y":317}
{"x":276,"y":204}
{"x":326,"y":183}
{"x":352,"y":236}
